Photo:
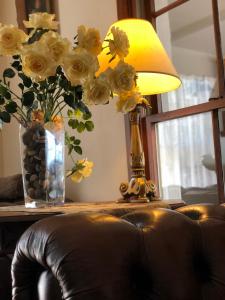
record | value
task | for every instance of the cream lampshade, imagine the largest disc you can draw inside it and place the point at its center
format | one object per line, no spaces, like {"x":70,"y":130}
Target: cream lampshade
{"x":156,"y":73}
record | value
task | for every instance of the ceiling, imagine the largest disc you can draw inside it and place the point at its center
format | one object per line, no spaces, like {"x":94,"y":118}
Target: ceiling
{"x":192,"y":25}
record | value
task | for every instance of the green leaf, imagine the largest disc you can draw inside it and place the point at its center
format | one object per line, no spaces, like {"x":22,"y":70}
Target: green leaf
{"x":8,"y":95}
{"x":11,"y":107}
{"x":5,"y":116}
{"x":40,"y":97}
{"x":87,"y":116}
{"x":28,"y":98}
{"x":26,"y":80}
{"x":69,"y":100}
{"x":78,"y":149}
{"x":3,"y":90}
{"x":78,"y":92}
{"x":21,"y":86}
{"x":89,"y":125}
{"x":77,"y":142}
{"x":9,"y":73}
{"x":16,"y":65}
{"x":69,"y":113}
{"x":73,"y":123}
{"x":16,"y":56}
{"x":64,"y":83}
{"x":83,"y":108}
{"x":52,"y":79}
{"x":2,"y":100}
{"x":81,"y":127}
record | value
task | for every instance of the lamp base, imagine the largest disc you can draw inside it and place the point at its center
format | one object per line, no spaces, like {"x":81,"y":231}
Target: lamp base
{"x":138,"y":190}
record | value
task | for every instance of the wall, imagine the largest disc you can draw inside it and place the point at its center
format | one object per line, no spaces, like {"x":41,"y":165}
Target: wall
{"x":10,"y":162}
{"x":105,"y":146}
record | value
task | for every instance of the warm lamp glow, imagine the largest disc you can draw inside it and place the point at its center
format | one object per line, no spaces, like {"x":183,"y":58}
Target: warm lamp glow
{"x":156,"y":73}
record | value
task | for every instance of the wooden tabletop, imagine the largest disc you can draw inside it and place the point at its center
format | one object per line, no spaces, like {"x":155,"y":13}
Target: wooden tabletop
{"x":20,"y":213}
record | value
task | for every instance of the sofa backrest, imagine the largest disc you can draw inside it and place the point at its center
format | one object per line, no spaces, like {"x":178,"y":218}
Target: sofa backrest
{"x":154,"y":254}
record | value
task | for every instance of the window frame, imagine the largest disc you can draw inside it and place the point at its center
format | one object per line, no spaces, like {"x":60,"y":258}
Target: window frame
{"x":127,"y":9}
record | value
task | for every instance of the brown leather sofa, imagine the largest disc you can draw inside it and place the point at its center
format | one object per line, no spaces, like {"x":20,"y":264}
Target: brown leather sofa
{"x":155,"y":254}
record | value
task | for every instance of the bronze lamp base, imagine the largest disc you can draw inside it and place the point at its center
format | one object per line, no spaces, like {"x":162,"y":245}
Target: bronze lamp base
{"x":139,"y":189}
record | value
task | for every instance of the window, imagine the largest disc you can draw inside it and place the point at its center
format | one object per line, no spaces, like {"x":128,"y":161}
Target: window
{"x":185,"y":135}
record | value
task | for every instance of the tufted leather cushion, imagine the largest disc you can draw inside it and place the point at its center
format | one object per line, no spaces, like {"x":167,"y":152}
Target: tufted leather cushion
{"x":155,"y":254}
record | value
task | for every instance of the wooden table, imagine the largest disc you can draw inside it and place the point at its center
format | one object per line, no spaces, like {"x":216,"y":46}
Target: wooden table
{"x":19,"y":213}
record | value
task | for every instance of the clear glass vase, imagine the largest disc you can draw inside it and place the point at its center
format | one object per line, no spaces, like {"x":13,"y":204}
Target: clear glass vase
{"x":42,"y":154}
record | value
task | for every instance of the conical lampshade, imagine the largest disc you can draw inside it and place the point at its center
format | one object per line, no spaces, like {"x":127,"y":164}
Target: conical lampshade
{"x":156,"y":73}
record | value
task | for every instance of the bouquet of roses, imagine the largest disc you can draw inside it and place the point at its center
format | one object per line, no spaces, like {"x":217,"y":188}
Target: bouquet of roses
{"x":55,"y":74}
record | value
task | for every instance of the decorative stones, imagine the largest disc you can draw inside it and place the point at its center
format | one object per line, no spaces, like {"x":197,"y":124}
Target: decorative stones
{"x":43,"y":165}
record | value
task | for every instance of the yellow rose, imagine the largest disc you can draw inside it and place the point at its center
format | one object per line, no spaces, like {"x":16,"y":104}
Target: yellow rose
{"x":57,"y":45}
{"x":127,"y":101}
{"x":96,"y":91}
{"x":41,"y":20}
{"x":89,"y":39}
{"x":11,"y":39}
{"x":119,"y":45}
{"x":83,"y":172}
{"x":37,"y":62}
{"x":79,"y":64}
{"x":122,"y":77}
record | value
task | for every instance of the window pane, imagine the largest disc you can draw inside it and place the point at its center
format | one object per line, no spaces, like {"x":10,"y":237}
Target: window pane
{"x":188,"y":35}
{"x":186,"y":159}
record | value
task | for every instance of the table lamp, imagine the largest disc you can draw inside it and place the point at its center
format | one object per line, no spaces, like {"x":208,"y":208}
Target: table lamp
{"x":155,"y":75}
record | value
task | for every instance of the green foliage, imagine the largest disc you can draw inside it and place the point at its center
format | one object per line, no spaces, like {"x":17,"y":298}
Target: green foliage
{"x":73,"y":144}
{"x":28,"y":98}
{"x":11,"y":107}
{"x":3,"y":90}
{"x":27,"y":82}
{"x":50,"y":96}
{"x":70,"y":100}
{"x":5,"y":116}
{"x":16,"y":65}
{"x":37,"y":35}
{"x":8,"y":95}
{"x":89,"y":125}
{"x":81,"y":127}
{"x":9,"y":73}
{"x":2,"y":100}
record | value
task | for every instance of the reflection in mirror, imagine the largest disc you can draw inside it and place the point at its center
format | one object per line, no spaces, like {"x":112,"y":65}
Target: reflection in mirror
{"x":186,"y":159}
{"x":190,"y":41}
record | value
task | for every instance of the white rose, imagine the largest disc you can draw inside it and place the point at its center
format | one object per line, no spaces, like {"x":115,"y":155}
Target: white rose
{"x":89,"y":39}
{"x":127,"y":101}
{"x":84,"y":171}
{"x":37,"y":62}
{"x":97,"y":91}
{"x":57,"y":45}
{"x":122,"y":77}
{"x":79,"y":65}
{"x":41,"y":20}
{"x":119,"y":45}
{"x":11,"y":40}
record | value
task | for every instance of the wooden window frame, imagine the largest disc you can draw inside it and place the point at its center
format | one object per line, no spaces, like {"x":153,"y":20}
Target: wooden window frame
{"x":23,"y":15}
{"x":127,"y":9}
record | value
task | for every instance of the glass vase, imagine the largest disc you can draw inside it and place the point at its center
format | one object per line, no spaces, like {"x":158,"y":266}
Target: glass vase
{"x":42,"y":154}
